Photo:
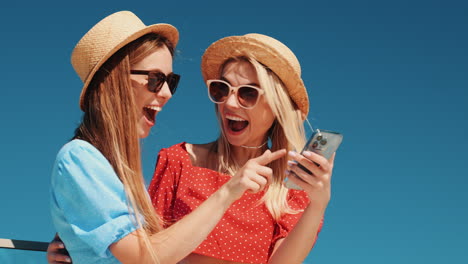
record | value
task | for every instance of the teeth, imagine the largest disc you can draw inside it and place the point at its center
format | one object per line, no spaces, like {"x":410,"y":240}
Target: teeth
{"x":154,"y":108}
{"x":234,"y":118}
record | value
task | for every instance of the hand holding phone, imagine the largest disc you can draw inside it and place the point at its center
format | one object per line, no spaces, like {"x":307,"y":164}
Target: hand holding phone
{"x":322,"y":142}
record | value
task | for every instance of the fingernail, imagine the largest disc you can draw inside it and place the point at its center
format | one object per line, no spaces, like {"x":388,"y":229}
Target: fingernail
{"x":292,"y":153}
{"x":61,"y":245}
{"x":287,"y":172}
{"x":291,"y":163}
{"x":68,"y":259}
{"x":307,"y":153}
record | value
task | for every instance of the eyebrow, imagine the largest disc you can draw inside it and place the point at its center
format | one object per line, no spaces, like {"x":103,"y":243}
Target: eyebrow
{"x":252,"y":84}
{"x":152,"y":70}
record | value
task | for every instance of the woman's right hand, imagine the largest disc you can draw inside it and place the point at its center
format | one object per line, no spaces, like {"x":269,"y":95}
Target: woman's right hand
{"x":57,"y":253}
{"x":255,"y":175}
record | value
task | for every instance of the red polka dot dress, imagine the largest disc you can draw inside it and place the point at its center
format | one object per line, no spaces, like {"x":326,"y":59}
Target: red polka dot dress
{"x":247,"y":232}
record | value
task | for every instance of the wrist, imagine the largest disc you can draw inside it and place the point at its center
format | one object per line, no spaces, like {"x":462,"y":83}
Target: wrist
{"x":318,"y":206}
{"x":225,"y":197}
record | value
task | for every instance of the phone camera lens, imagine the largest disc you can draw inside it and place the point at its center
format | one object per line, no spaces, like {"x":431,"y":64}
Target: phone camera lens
{"x":323,"y":141}
{"x":315,"y":145}
{"x":319,"y":137}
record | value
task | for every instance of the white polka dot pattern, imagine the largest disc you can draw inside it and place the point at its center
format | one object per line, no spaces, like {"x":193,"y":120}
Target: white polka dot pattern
{"x":246,"y":233}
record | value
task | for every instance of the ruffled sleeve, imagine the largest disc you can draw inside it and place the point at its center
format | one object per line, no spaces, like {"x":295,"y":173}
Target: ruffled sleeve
{"x":163,"y":186}
{"x":297,"y":200}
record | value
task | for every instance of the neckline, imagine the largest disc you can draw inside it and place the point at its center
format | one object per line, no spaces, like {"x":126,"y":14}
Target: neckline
{"x":183,"y":145}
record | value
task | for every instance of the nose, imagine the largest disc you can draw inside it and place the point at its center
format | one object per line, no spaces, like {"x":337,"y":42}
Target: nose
{"x":165,"y":92}
{"x":231,"y":101}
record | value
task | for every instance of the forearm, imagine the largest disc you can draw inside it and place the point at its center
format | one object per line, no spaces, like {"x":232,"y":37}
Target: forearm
{"x":179,"y":240}
{"x":297,"y":245}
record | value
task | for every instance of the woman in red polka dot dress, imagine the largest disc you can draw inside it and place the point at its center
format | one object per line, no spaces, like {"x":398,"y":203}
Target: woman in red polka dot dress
{"x":260,"y":97}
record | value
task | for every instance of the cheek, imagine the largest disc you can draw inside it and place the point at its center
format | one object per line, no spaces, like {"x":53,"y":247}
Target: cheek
{"x":263,"y":119}
{"x":266,"y":114}
{"x":268,"y":119}
{"x":142,"y":96}
{"x":140,"y":92}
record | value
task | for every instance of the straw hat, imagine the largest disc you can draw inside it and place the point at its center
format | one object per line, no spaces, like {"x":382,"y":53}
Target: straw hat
{"x":107,"y":37}
{"x":266,"y":50}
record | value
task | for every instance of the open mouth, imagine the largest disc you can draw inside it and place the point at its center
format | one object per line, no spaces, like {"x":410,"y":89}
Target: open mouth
{"x":236,"y":124}
{"x":150,"y":112}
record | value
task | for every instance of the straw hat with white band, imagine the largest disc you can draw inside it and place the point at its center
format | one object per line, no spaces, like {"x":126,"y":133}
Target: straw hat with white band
{"x":107,"y":37}
{"x":266,"y":50}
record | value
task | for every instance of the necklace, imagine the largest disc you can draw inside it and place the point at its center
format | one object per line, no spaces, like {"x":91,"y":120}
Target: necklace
{"x":256,"y":147}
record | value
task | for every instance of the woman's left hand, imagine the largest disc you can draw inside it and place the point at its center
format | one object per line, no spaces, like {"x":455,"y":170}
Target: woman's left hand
{"x":317,"y":184}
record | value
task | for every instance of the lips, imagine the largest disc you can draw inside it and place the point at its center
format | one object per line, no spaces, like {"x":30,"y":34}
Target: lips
{"x":235,"y":123}
{"x":150,"y":111}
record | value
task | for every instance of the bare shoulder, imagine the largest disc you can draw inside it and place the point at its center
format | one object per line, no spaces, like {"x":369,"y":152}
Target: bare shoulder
{"x":199,"y":153}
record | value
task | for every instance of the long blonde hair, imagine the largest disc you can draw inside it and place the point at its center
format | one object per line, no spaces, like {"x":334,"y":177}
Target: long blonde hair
{"x":110,"y":124}
{"x":287,"y":132}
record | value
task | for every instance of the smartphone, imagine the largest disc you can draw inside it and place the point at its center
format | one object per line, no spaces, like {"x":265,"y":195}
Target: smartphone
{"x":322,"y":142}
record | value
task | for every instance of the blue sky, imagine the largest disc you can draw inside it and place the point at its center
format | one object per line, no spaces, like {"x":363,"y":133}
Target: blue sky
{"x":392,"y":76}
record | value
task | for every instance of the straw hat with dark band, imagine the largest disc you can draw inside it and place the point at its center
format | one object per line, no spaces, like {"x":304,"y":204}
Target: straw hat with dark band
{"x":107,"y":37}
{"x":266,"y":50}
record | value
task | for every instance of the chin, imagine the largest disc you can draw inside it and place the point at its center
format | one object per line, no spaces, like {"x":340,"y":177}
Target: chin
{"x":142,"y":133}
{"x":236,"y":141}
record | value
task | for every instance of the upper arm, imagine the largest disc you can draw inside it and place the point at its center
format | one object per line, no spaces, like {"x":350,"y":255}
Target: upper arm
{"x":129,"y":249}
{"x":88,"y":204}
{"x":277,"y":245}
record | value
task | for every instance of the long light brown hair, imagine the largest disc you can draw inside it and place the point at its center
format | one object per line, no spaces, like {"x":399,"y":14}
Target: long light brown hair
{"x":110,"y":124}
{"x":287,"y":132}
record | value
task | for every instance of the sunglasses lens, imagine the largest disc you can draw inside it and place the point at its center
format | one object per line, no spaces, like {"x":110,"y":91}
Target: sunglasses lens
{"x":173,"y":81}
{"x":155,"y":81}
{"x":247,"y":96}
{"x":218,"y":91}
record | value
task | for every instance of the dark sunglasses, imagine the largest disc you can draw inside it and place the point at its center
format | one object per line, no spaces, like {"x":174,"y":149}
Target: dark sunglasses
{"x":156,"y":80}
{"x":246,"y":95}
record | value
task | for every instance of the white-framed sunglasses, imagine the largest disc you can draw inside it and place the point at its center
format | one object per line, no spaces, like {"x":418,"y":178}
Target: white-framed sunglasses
{"x":247,"y":95}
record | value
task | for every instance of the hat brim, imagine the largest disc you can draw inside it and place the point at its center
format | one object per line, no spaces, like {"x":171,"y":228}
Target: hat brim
{"x":166,"y":30}
{"x":235,"y":46}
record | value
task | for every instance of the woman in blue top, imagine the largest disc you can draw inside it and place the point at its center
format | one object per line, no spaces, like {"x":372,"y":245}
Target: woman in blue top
{"x":99,"y":203}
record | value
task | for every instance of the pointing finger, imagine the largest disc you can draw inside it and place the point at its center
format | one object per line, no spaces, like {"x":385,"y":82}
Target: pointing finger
{"x":268,"y":156}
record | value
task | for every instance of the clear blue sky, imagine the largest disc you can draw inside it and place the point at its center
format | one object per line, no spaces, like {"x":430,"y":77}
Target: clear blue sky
{"x":392,"y":76}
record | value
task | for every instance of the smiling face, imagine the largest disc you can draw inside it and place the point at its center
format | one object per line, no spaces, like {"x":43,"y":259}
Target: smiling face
{"x":148,"y":103}
{"x":244,"y":127}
